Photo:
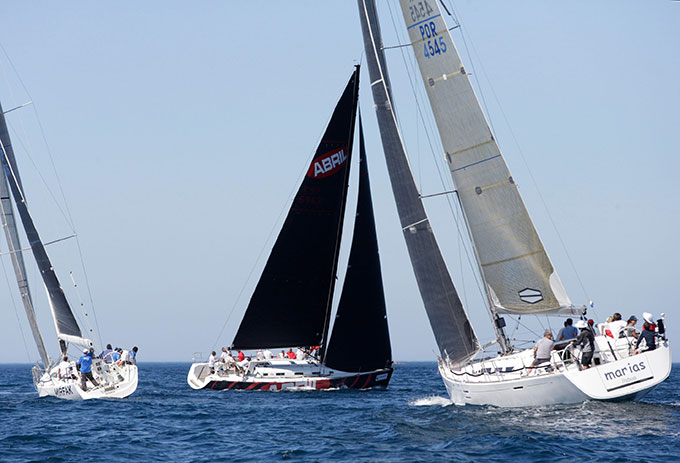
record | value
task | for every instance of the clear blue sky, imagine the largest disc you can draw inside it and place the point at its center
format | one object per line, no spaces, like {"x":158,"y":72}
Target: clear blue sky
{"x":179,"y":130}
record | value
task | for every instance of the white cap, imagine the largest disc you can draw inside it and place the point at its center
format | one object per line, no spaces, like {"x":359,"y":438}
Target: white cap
{"x":581,"y":324}
{"x":85,"y":351}
{"x":649,"y":318}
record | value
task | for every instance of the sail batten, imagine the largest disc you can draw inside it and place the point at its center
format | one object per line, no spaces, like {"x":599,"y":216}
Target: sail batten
{"x":454,"y":334}
{"x":519,"y":276}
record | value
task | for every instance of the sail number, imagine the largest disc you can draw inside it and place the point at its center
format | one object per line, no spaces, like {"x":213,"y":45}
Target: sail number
{"x":420,"y":10}
{"x":433,"y":44}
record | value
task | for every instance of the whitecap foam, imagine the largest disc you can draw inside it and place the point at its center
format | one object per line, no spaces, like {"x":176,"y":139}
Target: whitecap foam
{"x":431,"y":400}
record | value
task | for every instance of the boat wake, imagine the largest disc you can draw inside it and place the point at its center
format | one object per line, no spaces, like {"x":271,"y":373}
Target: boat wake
{"x":431,"y":400}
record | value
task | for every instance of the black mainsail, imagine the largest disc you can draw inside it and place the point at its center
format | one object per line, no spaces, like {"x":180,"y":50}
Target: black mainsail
{"x":450,"y":324}
{"x":361,"y":338}
{"x":291,"y":302}
{"x":64,"y":320}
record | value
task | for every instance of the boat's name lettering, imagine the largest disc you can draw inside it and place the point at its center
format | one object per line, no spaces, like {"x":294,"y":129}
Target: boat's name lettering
{"x":621,"y":372}
{"x":327,"y":164}
{"x":63,"y":390}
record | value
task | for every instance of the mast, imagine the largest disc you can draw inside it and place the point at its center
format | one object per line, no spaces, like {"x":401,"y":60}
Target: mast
{"x":361,"y":338}
{"x":291,"y":302}
{"x":450,"y":324}
{"x":334,"y":273}
{"x":62,"y":315}
{"x":14,"y":245}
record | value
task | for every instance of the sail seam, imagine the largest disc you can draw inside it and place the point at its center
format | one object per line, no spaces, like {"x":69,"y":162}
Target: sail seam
{"x":512,"y":258}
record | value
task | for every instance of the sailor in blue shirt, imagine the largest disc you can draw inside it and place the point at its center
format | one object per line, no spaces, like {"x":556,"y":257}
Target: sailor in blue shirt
{"x":115,"y":356}
{"x":133,"y":355}
{"x":84,"y":365}
{"x":568,"y":332}
{"x":106,"y":354}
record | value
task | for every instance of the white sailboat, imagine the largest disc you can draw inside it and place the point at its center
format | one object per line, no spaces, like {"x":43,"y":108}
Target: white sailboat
{"x":518,"y":277}
{"x":291,"y":305}
{"x":115,"y":381}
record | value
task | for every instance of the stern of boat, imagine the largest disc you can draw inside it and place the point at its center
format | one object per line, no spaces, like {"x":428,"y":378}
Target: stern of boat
{"x":628,"y":378}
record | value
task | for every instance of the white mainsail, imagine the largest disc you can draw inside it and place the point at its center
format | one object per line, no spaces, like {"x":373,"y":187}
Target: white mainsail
{"x":519,"y":277}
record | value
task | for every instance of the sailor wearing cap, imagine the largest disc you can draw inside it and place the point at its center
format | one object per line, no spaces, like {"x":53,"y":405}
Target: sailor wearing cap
{"x":84,"y":365}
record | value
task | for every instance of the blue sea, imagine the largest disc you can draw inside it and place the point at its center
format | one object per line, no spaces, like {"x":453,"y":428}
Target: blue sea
{"x":412,"y":420}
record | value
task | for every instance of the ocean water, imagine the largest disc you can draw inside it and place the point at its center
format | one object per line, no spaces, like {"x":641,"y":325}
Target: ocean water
{"x":412,"y":420}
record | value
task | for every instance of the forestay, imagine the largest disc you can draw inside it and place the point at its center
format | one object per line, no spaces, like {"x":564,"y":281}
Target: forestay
{"x":452,"y":330}
{"x":519,"y":276}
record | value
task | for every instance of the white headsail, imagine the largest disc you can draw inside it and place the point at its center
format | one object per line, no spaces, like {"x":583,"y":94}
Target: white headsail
{"x":519,"y":276}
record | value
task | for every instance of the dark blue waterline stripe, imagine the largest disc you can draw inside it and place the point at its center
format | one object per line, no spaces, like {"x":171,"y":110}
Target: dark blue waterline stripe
{"x":424,"y":20}
{"x":475,"y":163}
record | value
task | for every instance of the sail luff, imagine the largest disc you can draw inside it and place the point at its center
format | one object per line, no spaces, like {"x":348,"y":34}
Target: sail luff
{"x":361,"y":338}
{"x":65,"y":322}
{"x":450,"y":324}
{"x":519,"y":276}
{"x":334,"y":271}
{"x":14,"y":244}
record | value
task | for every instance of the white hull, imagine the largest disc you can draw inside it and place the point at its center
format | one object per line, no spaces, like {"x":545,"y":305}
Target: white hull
{"x":115,"y":382}
{"x":283,"y":374}
{"x":505,"y":381}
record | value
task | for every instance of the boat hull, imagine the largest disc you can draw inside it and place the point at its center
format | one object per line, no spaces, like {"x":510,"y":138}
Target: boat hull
{"x":117,"y":383}
{"x":293,"y":376}
{"x":620,"y":378}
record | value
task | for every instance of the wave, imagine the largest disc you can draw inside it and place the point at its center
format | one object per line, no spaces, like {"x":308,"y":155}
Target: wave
{"x":431,"y":400}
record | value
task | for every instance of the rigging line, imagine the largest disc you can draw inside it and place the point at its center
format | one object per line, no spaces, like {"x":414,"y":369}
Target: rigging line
{"x":17,"y":107}
{"x":16,"y":312}
{"x":89,"y":290}
{"x":42,"y":132}
{"x":28,"y":151}
{"x":526,"y":164}
{"x":44,"y":244}
{"x":472,"y":66}
{"x":439,"y":172}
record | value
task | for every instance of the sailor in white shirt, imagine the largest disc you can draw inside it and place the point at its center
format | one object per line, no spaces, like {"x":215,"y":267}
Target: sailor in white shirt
{"x":224,"y":355}
{"x":259,"y":355}
{"x":268,"y":354}
{"x":65,"y":369}
{"x":211,"y":361}
{"x":125,"y":357}
{"x":300,"y":354}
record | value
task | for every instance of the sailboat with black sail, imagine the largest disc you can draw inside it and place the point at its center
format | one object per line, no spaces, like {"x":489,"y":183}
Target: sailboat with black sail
{"x":291,"y":304}
{"x":517,"y":275}
{"x":115,"y":381}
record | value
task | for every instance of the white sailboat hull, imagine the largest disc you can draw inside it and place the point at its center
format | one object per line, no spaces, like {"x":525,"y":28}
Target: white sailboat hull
{"x":115,"y":382}
{"x":505,"y":381}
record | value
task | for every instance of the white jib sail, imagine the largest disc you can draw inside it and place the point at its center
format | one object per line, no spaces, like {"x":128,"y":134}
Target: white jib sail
{"x":519,"y":275}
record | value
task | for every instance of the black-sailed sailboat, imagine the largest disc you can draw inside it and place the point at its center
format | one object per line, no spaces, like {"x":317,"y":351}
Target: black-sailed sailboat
{"x":292,"y":302}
